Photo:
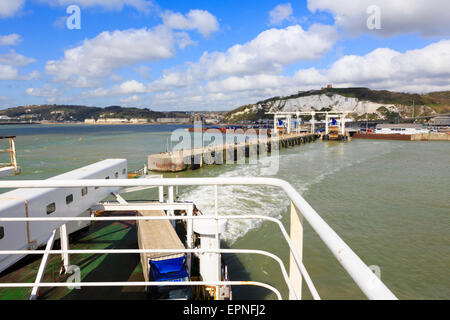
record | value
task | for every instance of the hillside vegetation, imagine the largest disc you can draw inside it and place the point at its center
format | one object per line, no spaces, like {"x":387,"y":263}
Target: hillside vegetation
{"x":80,"y":113}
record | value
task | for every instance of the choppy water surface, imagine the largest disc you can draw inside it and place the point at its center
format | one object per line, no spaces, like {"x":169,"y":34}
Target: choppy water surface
{"x":387,"y":199}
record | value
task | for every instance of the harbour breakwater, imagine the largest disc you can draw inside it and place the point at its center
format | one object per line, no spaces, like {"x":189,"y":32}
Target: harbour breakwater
{"x":228,"y":153}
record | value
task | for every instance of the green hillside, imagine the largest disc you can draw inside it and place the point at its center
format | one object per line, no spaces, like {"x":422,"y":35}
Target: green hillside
{"x":80,"y":113}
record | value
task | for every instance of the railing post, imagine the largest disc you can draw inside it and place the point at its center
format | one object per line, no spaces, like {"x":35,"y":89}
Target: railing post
{"x":189,"y":234}
{"x":313,"y":122}
{"x":296,"y":235}
{"x":161,"y":194}
{"x":12,"y":150}
{"x":64,"y":239}
{"x":216,"y":214}
{"x":41,"y":271}
{"x":171,"y":200}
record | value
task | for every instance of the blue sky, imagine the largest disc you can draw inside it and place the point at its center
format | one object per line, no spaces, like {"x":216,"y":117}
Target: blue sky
{"x":216,"y":55}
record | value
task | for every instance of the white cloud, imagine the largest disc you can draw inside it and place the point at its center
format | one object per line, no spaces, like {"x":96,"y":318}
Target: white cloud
{"x":271,"y":50}
{"x":32,"y":75}
{"x":200,"y":20}
{"x":99,"y":92}
{"x":247,"y":83}
{"x":309,"y":76}
{"x":424,"y":16}
{"x":268,"y":53}
{"x":250,"y":70}
{"x":8,"y":8}
{"x":96,"y":58}
{"x":131,"y":99}
{"x":45,"y":91}
{"x":116,"y":78}
{"x":11,"y":73}
{"x":183,"y":40}
{"x":9,"y":62}
{"x":144,"y":72}
{"x":280,"y":13}
{"x":8,"y":73}
{"x":10,"y":40}
{"x":132,"y":86}
{"x":172,"y":79}
{"x":420,"y":70}
{"x":125,"y":88}
{"x":14,"y":59}
{"x":166,"y":95}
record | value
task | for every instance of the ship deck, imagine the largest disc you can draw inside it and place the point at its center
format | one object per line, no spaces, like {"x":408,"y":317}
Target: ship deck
{"x":93,"y":267}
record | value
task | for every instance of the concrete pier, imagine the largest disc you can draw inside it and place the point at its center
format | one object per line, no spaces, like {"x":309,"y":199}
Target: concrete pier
{"x":195,"y":158}
{"x":406,"y":137}
{"x":430,"y":137}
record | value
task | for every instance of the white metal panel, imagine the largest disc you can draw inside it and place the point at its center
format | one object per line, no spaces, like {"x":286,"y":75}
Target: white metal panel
{"x":12,"y":203}
{"x":14,"y":233}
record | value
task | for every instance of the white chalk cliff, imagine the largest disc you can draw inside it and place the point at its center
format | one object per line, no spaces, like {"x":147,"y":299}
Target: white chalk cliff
{"x":334,"y":101}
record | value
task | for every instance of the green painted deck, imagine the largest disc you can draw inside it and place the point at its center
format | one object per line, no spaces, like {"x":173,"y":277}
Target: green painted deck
{"x":94,"y":267}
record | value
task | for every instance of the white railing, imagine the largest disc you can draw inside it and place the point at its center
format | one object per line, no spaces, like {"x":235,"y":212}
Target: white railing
{"x":367,"y":281}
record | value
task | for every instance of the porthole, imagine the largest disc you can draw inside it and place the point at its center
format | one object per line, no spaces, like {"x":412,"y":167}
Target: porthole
{"x":107,"y":178}
{"x":84,"y":191}
{"x":124,"y":171}
{"x":69,"y":199}
{"x":2,"y":232}
{"x":51,"y":208}
{"x":116,"y":175}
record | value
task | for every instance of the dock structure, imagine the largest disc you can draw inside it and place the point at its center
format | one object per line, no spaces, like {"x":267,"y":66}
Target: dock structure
{"x":405,"y":137}
{"x":430,"y":137}
{"x":10,"y":168}
{"x":181,"y":160}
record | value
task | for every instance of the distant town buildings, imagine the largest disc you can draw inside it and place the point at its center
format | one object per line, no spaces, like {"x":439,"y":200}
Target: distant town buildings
{"x":173,"y":120}
{"x":137,"y":120}
{"x":208,"y":118}
{"x":440,"y":121}
{"x":108,"y":115}
{"x":115,"y":121}
{"x":111,"y":120}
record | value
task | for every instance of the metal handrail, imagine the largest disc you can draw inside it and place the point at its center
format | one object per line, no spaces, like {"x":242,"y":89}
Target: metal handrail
{"x":302,"y":268}
{"x":367,"y":281}
{"x":146,"y":283}
{"x":300,"y":265}
{"x":136,"y":251}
